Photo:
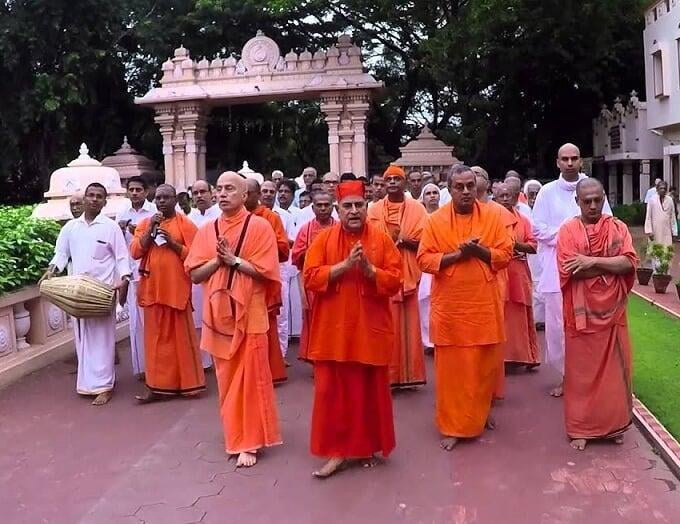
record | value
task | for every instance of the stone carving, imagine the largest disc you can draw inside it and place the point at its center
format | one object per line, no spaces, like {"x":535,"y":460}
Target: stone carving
{"x":5,"y":340}
{"x":22,"y":325}
{"x":260,"y":52}
{"x":55,"y":318}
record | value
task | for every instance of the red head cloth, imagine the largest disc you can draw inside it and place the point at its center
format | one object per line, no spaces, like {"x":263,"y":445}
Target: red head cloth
{"x":350,"y":188}
{"x":393,"y":170}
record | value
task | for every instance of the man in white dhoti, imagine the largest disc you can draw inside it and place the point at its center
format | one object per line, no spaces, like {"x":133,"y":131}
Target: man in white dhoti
{"x":530,"y":190}
{"x":430,"y":199}
{"x":661,"y":222}
{"x":139,"y":209}
{"x":288,"y":271}
{"x":95,"y":245}
{"x":555,"y":204}
{"x":204,"y":211}
{"x":651,"y":192}
{"x":293,"y":302}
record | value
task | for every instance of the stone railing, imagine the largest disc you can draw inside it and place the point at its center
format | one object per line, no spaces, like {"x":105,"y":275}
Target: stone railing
{"x":35,"y":333}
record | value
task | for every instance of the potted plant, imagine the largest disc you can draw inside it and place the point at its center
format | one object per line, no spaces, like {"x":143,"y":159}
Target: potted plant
{"x":645,"y":271}
{"x":662,"y":256}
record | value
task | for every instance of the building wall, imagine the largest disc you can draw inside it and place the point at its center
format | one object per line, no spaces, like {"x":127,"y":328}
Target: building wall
{"x":662,"y":63}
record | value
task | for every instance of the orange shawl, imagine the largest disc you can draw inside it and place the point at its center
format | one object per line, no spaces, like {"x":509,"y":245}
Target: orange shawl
{"x":281,"y":236}
{"x":409,"y":220}
{"x":466,"y":305}
{"x":351,"y":319}
{"x":162,"y":277}
{"x":595,"y":304}
{"x":232,"y":312}
{"x":519,"y":276}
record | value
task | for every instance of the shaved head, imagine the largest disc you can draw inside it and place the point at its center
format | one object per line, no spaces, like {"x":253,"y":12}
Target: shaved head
{"x":231,"y":192}
{"x":569,"y":162}
{"x":588,"y":184}
{"x":252,"y":185}
{"x":568,"y":148}
{"x":590,"y":198}
{"x":166,"y":187}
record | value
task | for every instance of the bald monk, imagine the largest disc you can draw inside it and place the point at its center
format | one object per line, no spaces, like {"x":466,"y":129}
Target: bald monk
{"x":403,"y":220}
{"x":521,"y":346}
{"x":172,"y":360}
{"x":482,"y":182}
{"x":236,"y":260}
{"x":353,"y":268}
{"x":596,"y":262}
{"x":253,"y":205}
{"x":322,"y":205}
{"x":464,"y":245}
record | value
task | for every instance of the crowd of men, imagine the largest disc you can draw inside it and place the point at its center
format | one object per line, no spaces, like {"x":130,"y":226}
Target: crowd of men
{"x":372,"y":276}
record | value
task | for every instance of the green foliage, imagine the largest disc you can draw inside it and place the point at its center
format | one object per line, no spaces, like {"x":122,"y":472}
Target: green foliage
{"x":662,"y":256}
{"x":631,"y":214}
{"x":26,"y":247}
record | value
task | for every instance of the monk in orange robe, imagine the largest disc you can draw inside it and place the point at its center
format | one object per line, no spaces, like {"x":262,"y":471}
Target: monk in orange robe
{"x":596,"y":262}
{"x":403,"y":220}
{"x":464,"y":245}
{"x":162,"y":242}
{"x":235,"y":259}
{"x":482,"y":179}
{"x":521,"y":346}
{"x":252,"y":204}
{"x":322,"y":205}
{"x":353,"y":268}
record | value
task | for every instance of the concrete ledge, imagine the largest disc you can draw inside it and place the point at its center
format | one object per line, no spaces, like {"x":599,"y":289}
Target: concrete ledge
{"x":658,"y":436}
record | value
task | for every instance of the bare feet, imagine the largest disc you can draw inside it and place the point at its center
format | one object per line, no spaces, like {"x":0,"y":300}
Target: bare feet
{"x":490,"y":422}
{"x":246,"y":459}
{"x":370,"y":462}
{"x":558,"y":391}
{"x":334,"y":465}
{"x":618,"y":439}
{"x":579,"y":444}
{"x":285,"y":361}
{"x":448,"y":443}
{"x":147,"y":397}
{"x":141,"y":377}
{"x":102,"y":398}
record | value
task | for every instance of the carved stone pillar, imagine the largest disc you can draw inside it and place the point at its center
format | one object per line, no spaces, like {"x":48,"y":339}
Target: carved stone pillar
{"x":332,"y":107}
{"x":357,"y":108}
{"x":166,"y":120}
{"x":191,"y":119}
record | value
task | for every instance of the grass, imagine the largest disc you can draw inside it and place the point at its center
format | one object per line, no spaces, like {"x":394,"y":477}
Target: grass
{"x":656,"y":361}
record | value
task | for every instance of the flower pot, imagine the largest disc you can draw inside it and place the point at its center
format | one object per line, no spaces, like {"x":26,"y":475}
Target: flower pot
{"x":643,"y":275}
{"x":661,"y":282}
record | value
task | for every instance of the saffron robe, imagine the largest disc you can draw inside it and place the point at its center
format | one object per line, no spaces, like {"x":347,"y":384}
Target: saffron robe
{"x":521,"y":345}
{"x":597,"y":378}
{"x":466,"y":317}
{"x":406,"y":220}
{"x":350,"y":340}
{"x":276,"y":363}
{"x":303,"y":240}
{"x":172,"y":360}
{"x":236,"y":321}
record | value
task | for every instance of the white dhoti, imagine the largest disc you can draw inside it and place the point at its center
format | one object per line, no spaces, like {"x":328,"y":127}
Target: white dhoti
{"x":95,"y":340}
{"x":197,"y":303}
{"x":554,"y":331}
{"x":284,"y":312}
{"x":136,"y":318}
{"x":295,"y":305}
{"x":539,"y":304}
{"x":424,"y":308}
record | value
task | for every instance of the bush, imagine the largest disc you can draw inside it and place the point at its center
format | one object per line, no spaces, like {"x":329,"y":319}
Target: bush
{"x":26,"y":247}
{"x":631,"y":214}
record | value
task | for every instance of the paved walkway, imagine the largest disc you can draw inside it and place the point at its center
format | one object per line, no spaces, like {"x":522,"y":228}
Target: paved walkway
{"x":64,"y":461}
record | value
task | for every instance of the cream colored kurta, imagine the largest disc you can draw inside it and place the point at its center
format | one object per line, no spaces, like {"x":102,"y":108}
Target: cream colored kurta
{"x":661,"y":220}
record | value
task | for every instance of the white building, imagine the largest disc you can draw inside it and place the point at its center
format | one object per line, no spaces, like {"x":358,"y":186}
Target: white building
{"x":662,"y":72}
{"x":626,"y":154}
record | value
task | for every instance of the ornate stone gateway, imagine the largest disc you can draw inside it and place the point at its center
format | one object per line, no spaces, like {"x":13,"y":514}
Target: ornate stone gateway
{"x":189,"y":90}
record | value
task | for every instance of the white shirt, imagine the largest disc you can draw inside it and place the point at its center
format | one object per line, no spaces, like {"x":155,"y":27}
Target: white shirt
{"x":651,"y":193}
{"x":96,"y":249}
{"x":210,"y":215}
{"x":524,"y":209}
{"x":287,"y":268}
{"x":444,"y":197}
{"x":148,"y":209}
{"x":555,"y":204}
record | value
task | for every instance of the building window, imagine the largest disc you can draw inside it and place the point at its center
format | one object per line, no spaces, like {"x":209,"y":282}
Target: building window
{"x":657,"y":66}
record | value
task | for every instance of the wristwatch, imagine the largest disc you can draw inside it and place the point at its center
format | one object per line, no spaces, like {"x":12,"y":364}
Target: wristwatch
{"x":237,"y":262}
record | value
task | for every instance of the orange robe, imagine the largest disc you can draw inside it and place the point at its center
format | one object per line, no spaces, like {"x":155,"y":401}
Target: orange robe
{"x":350,"y":341}
{"x":276,"y":362}
{"x":597,"y":372}
{"x":405,"y":219}
{"x":521,"y":345}
{"x":304,"y":239}
{"x":173,"y":362}
{"x":466,"y":315}
{"x":235,"y":326}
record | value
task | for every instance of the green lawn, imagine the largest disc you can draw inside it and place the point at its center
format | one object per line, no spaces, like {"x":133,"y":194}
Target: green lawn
{"x":656,"y":361}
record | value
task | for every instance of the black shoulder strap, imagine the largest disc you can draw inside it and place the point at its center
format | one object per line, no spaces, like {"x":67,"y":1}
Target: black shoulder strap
{"x":237,"y":251}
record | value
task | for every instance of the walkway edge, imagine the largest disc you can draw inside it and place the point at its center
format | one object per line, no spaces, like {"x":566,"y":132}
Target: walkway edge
{"x":658,"y":436}
{"x":656,"y":304}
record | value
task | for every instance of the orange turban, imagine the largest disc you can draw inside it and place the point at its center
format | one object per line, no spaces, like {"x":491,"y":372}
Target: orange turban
{"x":393,"y":170}
{"x":350,"y":188}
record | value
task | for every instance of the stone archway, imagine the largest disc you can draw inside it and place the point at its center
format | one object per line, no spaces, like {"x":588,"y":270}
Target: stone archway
{"x":189,"y":90}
